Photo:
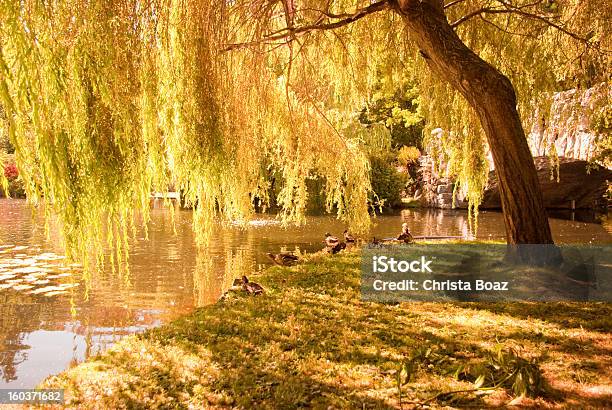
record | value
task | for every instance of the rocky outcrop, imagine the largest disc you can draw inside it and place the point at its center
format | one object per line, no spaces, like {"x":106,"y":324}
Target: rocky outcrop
{"x":436,"y":191}
{"x":580,"y":185}
{"x":568,"y":129}
{"x":579,"y":181}
{"x":568,"y":126}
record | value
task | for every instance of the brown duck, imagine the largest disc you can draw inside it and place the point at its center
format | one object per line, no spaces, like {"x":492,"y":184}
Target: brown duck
{"x":283,"y":259}
{"x":348,"y":237}
{"x":337,"y":247}
{"x":251,"y":288}
{"x":330,"y":240}
{"x":333,"y":244}
{"x":405,"y":236}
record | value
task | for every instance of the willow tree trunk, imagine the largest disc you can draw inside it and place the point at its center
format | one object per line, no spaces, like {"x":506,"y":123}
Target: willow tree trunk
{"x":492,"y":96}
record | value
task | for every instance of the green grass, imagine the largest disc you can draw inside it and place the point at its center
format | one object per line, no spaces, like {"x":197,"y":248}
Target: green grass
{"x":311,"y":342}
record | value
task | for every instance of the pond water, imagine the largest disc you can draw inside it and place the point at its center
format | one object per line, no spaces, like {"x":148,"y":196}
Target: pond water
{"x":51,"y":318}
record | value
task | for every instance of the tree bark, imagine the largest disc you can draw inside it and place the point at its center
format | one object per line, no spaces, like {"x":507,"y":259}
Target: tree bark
{"x":492,"y":96}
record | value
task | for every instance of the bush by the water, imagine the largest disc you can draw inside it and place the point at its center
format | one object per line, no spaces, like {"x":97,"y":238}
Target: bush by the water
{"x":408,"y":155}
{"x":387,"y":182}
{"x":15,"y":184}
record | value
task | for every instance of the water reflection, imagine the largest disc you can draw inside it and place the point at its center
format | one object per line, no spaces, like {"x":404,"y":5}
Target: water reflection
{"x":51,"y":317}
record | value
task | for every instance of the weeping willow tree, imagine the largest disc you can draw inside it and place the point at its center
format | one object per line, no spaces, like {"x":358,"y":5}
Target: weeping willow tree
{"x":106,"y":101}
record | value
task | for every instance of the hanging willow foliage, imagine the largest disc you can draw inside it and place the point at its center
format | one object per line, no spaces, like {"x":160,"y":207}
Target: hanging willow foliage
{"x":107,"y":101}
{"x":568,"y":44}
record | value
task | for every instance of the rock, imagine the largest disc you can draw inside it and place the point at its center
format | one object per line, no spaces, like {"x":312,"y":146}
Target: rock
{"x":435,"y":190}
{"x":568,"y":124}
{"x":445,"y":200}
{"x":575,"y":183}
{"x":445,"y":189}
{"x":567,"y":128}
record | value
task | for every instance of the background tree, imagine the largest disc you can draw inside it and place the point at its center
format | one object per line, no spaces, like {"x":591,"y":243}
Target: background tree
{"x":107,"y":100}
{"x":396,"y":106}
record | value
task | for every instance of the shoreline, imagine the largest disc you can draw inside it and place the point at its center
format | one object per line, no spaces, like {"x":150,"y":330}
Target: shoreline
{"x":310,"y":341}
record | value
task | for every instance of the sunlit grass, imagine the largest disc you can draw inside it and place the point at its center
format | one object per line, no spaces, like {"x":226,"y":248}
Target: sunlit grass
{"x":311,"y":341}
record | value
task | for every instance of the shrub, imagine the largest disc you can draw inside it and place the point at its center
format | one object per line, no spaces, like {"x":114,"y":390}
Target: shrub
{"x":408,"y":155}
{"x":387,"y":182}
{"x":10,"y":172}
{"x":15,"y":184}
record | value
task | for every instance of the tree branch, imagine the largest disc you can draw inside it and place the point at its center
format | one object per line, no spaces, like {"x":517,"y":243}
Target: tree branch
{"x":452,"y":3}
{"x":484,"y":10}
{"x":520,"y":11}
{"x":288,"y":32}
{"x":505,"y":30}
{"x":510,"y":8}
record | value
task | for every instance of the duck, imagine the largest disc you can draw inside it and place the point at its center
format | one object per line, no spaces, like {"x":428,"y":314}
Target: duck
{"x":236,"y":286}
{"x":333,"y":244}
{"x":251,"y":288}
{"x":405,"y":236}
{"x":336,"y":248}
{"x":331,"y":240}
{"x":283,"y":258}
{"x":348,"y":237}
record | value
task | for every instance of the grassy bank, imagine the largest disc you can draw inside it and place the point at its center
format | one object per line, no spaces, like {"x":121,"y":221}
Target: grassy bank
{"x":310,"y":342}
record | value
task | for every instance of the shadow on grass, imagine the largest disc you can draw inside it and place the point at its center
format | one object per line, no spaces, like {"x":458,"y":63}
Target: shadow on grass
{"x":308,"y":342}
{"x":593,"y":315}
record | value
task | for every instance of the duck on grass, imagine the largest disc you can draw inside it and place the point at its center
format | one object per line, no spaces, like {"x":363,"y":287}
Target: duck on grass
{"x":310,"y":341}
